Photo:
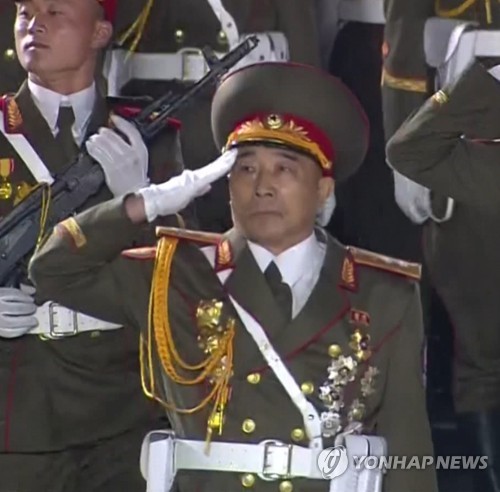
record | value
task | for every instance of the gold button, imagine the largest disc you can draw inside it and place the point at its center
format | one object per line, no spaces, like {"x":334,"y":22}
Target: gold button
{"x":247,"y":480}
{"x":286,"y":486}
{"x":221,"y":37}
{"x":248,"y":426}
{"x":307,"y":388}
{"x":298,"y":434}
{"x":440,"y":97}
{"x":334,"y":351}
{"x":9,"y":54}
{"x":179,"y":36}
{"x":253,"y":378}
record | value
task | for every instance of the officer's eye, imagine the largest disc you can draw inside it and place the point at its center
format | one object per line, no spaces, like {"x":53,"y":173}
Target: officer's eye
{"x":245,"y":167}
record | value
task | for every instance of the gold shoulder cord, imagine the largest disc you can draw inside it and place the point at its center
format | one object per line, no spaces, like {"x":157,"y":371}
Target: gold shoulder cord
{"x":219,"y":360}
{"x":137,"y":27}
{"x":465,"y":5}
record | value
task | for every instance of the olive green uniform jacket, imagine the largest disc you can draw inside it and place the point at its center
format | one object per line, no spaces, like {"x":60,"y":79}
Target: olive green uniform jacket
{"x":55,"y":394}
{"x":356,"y":290}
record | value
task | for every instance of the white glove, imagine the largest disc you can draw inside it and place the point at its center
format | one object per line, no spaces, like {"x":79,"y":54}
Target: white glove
{"x":325,"y":213}
{"x":413,"y":199}
{"x":16,"y":313}
{"x":172,"y":196}
{"x":125,"y":165}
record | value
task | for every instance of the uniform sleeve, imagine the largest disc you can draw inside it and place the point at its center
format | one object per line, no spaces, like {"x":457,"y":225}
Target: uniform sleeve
{"x":404,"y":80}
{"x":440,"y":148}
{"x":80,"y":266}
{"x":297,"y":20}
{"x":165,"y":162}
{"x":403,"y":419}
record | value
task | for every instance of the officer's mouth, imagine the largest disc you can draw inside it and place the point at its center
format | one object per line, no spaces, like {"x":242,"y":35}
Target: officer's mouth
{"x":34,"y":45}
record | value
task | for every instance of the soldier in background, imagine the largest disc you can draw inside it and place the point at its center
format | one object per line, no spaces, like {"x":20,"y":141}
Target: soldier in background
{"x":460,"y":242}
{"x":72,"y":411}
{"x":193,"y":24}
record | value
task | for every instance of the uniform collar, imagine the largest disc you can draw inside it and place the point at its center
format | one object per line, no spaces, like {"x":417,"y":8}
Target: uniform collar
{"x":292,"y":263}
{"x":48,"y":103}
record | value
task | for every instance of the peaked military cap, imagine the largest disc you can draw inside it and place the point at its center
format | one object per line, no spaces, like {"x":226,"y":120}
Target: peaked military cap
{"x":109,"y":7}
{"x":293,"y":105}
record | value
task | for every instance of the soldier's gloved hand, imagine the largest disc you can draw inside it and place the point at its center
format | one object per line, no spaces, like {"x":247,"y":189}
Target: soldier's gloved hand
{"x":125,"y":165}
{"x":16,"y":312}
{"x":176,"y":194}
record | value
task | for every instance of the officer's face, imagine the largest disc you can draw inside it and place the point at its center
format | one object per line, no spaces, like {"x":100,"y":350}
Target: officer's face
{"x":275,"y":195}
{"x":57,"y":37}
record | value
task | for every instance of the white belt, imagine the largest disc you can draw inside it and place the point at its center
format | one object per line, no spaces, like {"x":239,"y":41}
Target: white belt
{"x":56,"y":321}
{"x":369,"y":11}
{"x":163,"y":455}
{"x":188,"y":64}
{"x":122,"y":66}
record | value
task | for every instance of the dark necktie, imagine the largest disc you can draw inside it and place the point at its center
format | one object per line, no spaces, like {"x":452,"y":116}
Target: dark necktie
{"x":64,"y":138}
{"x":281,"y":291}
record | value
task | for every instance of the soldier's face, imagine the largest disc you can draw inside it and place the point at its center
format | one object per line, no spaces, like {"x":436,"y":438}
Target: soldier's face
{"x":275,"y":195}
{"x":54,"y":37}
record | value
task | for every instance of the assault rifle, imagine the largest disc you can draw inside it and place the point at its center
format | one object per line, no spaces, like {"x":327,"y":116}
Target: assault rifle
{"x":83,"y":178}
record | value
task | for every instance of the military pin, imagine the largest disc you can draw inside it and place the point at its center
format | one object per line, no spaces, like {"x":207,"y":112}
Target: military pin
{"x":6,"y":169}
{"x":360,"y":317}
{"x":23,"y":189}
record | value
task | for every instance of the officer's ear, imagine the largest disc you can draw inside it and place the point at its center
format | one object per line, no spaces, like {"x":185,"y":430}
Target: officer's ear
{"x":326,"y":186}
{"x":102,"y":34}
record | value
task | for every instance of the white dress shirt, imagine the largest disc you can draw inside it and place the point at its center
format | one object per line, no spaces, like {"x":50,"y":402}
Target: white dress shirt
{"x":299,"y":266}
{"x":48,"y":103}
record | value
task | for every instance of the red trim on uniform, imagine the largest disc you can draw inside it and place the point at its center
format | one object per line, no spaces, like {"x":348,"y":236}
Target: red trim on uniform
{"x":9,"y":402}
{"x":315,"y":133}
{"x":129,"y":112}
{"x":338,"y":316}
{"x":384,"y":339}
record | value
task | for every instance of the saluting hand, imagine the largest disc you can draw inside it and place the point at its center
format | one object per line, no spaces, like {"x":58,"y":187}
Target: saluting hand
{"x":174,"y":195}
{"x":125,"y":165}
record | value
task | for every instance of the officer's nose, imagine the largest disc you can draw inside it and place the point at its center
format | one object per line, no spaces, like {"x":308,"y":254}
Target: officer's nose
{"x":264,"y":184}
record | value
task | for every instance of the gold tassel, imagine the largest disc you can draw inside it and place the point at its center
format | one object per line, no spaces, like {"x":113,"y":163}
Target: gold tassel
{"x":159,"y":329}
{"x":464,"y":6}
{"x":137,"y":27}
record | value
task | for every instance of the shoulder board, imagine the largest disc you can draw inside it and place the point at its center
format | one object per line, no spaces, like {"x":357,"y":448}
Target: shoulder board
{"x":11,"y":115}
{"x":387,"y":263}
{"x":145,"y":253}
{"x":195,"y":236}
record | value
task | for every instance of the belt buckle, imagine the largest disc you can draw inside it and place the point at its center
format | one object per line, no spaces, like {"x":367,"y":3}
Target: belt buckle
{"x":186,"y":65}
{"x":53,"y":333}
{"x":274,"y":447}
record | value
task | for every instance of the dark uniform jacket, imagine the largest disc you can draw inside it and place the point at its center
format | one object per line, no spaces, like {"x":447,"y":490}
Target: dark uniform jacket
{"x":359,"y":296}
{"x":451,"y":147}
{"x":59,"y":393}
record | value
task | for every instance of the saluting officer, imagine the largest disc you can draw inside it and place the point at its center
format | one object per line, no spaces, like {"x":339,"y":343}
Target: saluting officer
{"x":271,"y":341}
